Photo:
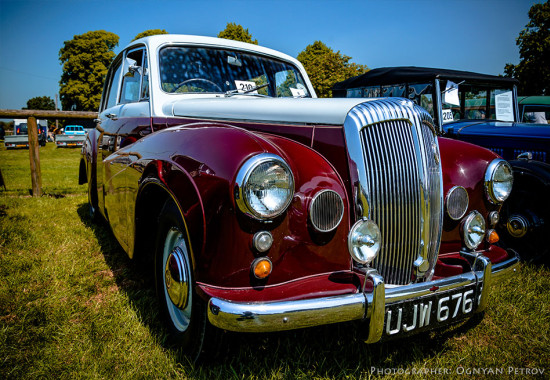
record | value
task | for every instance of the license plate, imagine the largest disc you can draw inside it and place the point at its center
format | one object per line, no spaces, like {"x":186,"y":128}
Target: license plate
{"x":429,"y":312}
{"x":71,"y":144}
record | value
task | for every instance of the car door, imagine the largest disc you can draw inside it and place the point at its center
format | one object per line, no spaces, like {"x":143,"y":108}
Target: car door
{"x":128,"y":120}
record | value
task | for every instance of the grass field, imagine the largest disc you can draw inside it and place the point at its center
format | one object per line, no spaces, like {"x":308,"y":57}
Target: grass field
{"x":72,"y":305}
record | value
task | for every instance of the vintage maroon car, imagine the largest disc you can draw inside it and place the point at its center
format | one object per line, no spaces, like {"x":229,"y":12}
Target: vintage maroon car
{"x":268,"y":209}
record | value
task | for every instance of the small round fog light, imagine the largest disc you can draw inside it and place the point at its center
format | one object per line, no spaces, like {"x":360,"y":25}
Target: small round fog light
{"x":364,"y":241}
{"x":261,"y":268}
{"x":473,"y":229}
{"x":262,"y":241}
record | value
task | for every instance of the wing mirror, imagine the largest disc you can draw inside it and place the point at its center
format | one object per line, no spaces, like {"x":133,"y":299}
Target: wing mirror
{"x":132,"y":68}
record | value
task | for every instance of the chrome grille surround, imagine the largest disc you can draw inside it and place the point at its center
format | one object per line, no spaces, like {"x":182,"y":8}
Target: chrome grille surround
{"x":392,"y":143}
{"x":326,"y":210}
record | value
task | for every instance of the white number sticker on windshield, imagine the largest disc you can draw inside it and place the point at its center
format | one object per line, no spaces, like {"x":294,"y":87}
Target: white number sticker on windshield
{"x":297,"y":92}
{"x":447,"y":116}
{"x":243,"y":86}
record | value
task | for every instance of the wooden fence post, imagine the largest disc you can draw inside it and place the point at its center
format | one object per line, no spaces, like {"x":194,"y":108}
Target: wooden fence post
{"x":36,"y":174}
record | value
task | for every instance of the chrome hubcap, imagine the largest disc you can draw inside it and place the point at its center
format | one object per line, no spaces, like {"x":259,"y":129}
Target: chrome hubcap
{"x":175,"y":277}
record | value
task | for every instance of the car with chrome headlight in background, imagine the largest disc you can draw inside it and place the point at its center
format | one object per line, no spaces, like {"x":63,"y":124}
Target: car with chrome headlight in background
{"x":267,"y":209}
{"x":484,"y":110}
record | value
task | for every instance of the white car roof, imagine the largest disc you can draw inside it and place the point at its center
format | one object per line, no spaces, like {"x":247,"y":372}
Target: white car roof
{"x":154,"y":42}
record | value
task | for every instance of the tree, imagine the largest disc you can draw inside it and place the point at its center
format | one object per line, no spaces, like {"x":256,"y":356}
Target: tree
{"x":40,"y":103}
{"x":236,"y":32}
{"x":533,"y":70}
{"x":150,"y":32}
{"x":325,"y":67}
{"x":85,"y":60}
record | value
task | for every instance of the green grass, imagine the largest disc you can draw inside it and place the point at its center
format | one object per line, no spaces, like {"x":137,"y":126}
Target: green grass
{"x":59,"y":168}
{"x":72,"y":305}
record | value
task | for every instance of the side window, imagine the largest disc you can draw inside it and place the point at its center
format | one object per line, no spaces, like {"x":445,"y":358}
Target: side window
{"x":113,"y":86}
{"x":131,"y":81}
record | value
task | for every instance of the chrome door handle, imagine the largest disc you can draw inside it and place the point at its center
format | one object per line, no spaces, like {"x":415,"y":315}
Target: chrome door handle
{"x":112,"y":116}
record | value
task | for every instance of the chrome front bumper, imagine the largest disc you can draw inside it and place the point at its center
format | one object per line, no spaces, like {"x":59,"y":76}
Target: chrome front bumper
{"x":288,"y":315}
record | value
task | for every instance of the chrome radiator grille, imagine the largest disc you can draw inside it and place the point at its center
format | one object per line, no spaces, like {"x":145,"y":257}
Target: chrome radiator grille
{"x":403,"y":186}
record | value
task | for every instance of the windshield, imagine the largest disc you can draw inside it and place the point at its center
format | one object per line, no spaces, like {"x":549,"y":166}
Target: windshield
{"x":477,"y":102}
{"x":207,"y":70}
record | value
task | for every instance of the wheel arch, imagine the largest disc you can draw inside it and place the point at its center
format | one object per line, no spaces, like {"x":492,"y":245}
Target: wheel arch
{"x":153,"y":192}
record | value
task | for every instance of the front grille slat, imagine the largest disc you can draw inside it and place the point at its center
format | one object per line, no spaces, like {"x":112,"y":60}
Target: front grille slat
{"x":403,"y":185}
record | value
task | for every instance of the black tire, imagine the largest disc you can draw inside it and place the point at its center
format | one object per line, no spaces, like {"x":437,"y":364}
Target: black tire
{"x":186,"y":324}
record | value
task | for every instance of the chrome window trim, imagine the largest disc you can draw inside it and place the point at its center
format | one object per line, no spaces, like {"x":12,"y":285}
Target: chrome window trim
{"x":447,"y":201}
{"x":243,"y":176}
{"x":488,"y":181}
{"x":311,"y":212}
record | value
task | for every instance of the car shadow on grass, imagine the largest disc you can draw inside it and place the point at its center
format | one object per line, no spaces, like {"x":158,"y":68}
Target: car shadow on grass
{"x":336,"y":350}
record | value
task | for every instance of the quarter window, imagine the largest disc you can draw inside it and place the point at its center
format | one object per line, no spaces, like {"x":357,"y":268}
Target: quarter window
{"x":131,"y":81}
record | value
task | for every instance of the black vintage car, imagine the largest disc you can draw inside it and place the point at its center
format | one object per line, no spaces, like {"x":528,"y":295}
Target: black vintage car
{"x":483,"y":110}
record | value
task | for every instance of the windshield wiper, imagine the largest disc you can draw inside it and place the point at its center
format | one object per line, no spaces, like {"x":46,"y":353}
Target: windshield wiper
{"x":236,"y":92}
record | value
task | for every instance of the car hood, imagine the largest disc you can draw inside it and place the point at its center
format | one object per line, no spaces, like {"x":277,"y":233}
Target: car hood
{"x":498,"y":128}
{"x":275,"y":110}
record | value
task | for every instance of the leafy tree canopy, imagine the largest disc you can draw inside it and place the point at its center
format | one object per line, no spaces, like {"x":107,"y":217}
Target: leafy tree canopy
{"x":40,"y":103}
{"x":150,"y":32}
{"x":326,"y":67}
{"x":236,"y":32}
{"x":533,"y":70}
{"x":85,"y":60}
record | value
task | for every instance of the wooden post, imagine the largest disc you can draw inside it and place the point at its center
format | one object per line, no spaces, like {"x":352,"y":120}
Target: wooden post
{"x":36,"y":174}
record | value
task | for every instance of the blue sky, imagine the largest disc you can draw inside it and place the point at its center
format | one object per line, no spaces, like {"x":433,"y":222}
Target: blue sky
{"x":473,"y":35}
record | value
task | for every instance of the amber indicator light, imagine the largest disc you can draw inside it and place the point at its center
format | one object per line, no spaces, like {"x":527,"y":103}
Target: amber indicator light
{"x":261,"y":268}
{"x":492,"y":237}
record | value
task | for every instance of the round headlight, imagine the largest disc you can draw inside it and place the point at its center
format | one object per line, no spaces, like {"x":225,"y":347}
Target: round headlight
{"x":364,"y":241}
{"x":265,"y":186}
{"x":498,"y":180}
{"x":473,"y":229}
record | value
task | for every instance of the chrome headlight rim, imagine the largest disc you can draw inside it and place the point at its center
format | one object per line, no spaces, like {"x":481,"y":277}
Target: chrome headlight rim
{"x":466,"y":227}
{"x":495,"y":165}
{"x":243,"y":176}
{"x":448,"y":197}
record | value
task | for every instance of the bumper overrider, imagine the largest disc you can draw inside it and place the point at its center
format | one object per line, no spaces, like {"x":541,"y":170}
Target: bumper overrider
{"x":387,"y":310}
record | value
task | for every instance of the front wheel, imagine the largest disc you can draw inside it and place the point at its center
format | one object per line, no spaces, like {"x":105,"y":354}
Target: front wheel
{"x":183,"y":311}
